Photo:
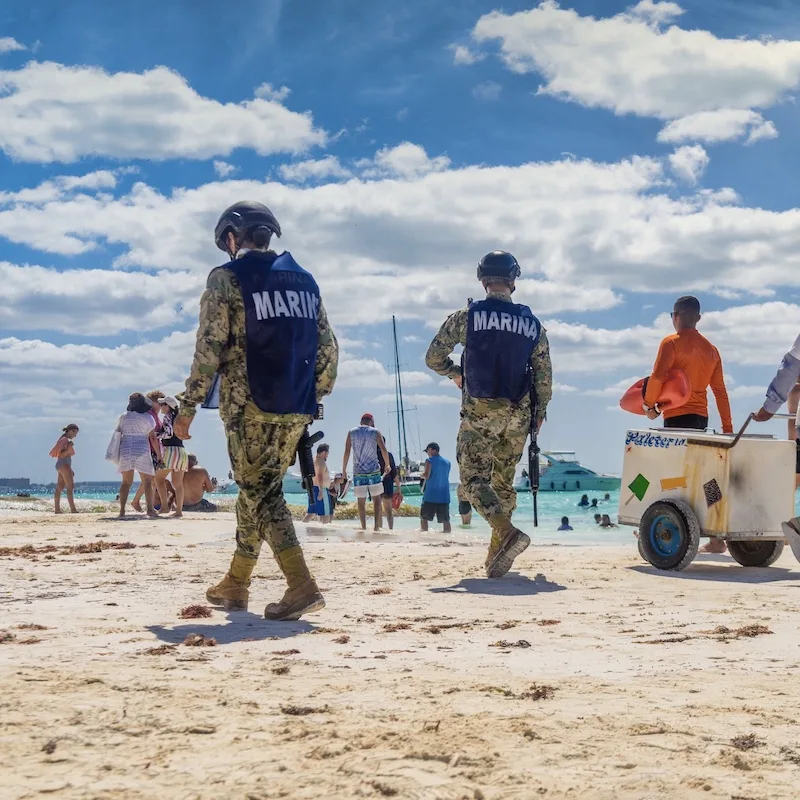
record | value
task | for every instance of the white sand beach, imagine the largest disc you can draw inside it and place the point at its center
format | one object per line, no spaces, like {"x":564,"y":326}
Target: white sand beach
{"x":584,"y":675}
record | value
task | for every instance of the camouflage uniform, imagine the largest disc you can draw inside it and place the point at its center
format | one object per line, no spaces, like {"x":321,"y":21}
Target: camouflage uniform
{"x":261,"y":445}
{"x":492,"y":435}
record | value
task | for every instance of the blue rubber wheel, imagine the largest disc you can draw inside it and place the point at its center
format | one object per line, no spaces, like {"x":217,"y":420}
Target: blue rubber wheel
{"x":669,"y":535}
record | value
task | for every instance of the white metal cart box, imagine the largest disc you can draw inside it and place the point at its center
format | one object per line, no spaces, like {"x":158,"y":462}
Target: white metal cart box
{"x":739,"y":492}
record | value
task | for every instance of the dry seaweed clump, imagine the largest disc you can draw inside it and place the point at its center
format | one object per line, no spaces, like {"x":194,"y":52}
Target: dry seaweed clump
{"x":745,"y":632}
{"x":302,"y":711}
{"x":161,"y":650}
{"x":29,"y":551}
{"x":198,"y":640}
{"x":6,"y":637}
{"x":392,"y":627}
{"x":195,"y":612}
{"x":380,"y":590}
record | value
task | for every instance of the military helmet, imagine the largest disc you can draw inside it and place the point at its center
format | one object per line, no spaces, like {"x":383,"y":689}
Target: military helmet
{"x":247,"y":217}
{"x":498,"y":264}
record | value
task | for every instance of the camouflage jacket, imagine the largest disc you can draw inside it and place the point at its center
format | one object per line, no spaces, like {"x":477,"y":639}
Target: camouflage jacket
{"x":221,"y":343}
{"x":453,"y":332}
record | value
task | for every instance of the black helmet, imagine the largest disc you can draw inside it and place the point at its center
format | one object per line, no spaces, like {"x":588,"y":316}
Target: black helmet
{"x":246,"y":217}
{"x":498,"y":264}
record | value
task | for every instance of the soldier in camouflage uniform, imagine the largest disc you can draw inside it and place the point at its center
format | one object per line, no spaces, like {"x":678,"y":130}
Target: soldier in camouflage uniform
{"x":506,"y":354}
{"x":266,"y":351}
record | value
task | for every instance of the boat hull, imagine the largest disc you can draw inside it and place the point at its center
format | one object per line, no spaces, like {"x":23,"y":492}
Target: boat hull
{"x":599,"y":483}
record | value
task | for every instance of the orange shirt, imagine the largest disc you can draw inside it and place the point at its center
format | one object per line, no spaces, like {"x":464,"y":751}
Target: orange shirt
{"x":700,"y":360}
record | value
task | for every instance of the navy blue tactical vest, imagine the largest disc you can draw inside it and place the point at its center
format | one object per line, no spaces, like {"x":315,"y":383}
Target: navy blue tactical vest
{"x":281,"y":302}
{"x":501,"y":337}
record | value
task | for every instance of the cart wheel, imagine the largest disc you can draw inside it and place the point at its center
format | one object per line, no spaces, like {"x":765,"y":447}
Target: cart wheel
{"x":755,"y":554}
{"x":639,"y":545}
{"x":669,"y":535}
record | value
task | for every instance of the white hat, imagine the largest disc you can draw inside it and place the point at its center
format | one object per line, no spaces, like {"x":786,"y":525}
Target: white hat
{"x":168,"y":401}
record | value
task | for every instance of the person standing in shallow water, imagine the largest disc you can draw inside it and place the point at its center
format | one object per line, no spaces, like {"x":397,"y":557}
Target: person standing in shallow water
{"x":506,"y":355}
{"x":63,"y":451}
{"x":265,"y":356}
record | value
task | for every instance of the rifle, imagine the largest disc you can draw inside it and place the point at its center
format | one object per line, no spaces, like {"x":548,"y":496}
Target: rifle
{"x":305,"y":457}
{"x":533,"y":459}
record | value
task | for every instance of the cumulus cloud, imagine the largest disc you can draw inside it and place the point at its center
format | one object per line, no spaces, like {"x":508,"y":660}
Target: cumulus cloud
{"x":95,"y":302}
{"x":725,"y":124}
{"x":224,"y":169}
{"x":632,"y":63}
{"x":689,"y":162}
{"x":10,"y":45}
{"x":269,"y":92}
{"x":53,"y":112}
{"x":463,"y":56}
{"x":314,"y":170}
{"x":487,"y":90}
{"x":420,"y":399}
{"x":406,"y":160}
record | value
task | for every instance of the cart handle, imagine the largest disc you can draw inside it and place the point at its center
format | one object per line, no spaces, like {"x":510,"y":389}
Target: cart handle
{"x":723,"y":445}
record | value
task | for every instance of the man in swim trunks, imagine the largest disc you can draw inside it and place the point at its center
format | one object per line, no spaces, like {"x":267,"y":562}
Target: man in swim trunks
{"x":688,"y":350}
{"x":365,"y":441}
{"x":195,"y":482}
{"x":464,"y":506}
{"x":786,"y":386}
{"x":322,"y":506}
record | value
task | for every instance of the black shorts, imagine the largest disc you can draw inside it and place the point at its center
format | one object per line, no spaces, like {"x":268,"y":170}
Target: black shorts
{"x":797,"y":458}
{"x":692,"y":421}
{"x":388,"y":488}
{"x":464,"y":507}
{"x":440,"y":510}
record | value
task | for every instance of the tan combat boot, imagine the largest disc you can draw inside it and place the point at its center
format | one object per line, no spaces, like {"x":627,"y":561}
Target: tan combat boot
{"x":512,"y":542}
{"x":302,"y":594}
{"x":231,"y":592}
{"x":494,"y":546}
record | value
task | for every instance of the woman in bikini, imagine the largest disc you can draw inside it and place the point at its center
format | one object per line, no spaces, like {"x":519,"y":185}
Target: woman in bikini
{"x":63,"y":451}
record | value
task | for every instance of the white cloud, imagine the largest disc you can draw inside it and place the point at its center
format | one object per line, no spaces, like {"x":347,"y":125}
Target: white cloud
{"x":406,"y":160}
{"x":463,"y":56}
{"x":487,"y":90}
{"x":724,"y":124}
{"x":52,"y":112}
{"x":632,"y":63}
{"x":413,"y":338}
{"x":10,"y":45}
{"x":414,"y":378}
{"x":564,"y":387}
{"x":95,"y":302}
{"x":420,"y":399}
{"x":224,"y":169}
{"x":689,"y":162}
{"x":268,"y":92}
{"x":314,"y":170}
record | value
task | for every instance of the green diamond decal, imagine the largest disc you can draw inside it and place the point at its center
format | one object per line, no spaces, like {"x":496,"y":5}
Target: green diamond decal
{"x":639,"y":486}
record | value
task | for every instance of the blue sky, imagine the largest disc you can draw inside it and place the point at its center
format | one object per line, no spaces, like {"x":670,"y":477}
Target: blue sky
{"x":625,"y":153}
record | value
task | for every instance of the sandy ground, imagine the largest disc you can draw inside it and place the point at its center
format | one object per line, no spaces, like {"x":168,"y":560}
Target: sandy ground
{"x":585,"y":675}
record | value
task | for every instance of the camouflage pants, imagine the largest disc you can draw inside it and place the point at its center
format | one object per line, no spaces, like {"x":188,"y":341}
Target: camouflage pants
{"x":261,"y":453}
{"x":488,"y":451}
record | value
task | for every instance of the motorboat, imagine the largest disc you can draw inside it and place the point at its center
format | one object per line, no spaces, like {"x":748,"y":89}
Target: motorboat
{"x":560,"y":471}
{"x":293,"y":483}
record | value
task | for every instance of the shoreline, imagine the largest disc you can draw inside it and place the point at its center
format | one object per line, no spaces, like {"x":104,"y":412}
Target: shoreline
{"x":584,"y":674}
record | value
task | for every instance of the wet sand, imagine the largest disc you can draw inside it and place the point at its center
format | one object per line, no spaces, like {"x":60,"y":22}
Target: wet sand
{"x":585,"y":675}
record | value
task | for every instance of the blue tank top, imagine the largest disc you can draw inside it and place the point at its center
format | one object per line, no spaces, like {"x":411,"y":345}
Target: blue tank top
{"x":501,"y":337}
{"x":437,"y":487}
{"x":281,"y":302}
{"x":364,"y":441}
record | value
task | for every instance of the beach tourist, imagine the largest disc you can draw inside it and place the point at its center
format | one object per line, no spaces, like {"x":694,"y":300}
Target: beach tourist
{"x":690,"y":351}
{"x":138,"y":440}
{"x":606,"y":522}
{"x":436,"y":490}
{"x":506,"y":358}
{"x":265,"y":356}
{"x":62,"y":452}
{"x":606,"y":497}
{"x":196,"y":482}
{"x":321,"y":507}
{"x":365,"y":441}
{"x":391,"y":485}
{"x":174,"y":459}
{"x":594,"y":503}
{"x":565,"y":526}
{"x":786,"y":385}
{"x":464,"y":506}
{"x":598,"y":519}
{"x":154,"y":397}
{"x":584,"y":502}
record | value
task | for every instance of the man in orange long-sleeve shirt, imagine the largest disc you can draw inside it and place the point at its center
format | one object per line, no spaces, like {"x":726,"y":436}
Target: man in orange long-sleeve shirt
{"x":700,"y":360}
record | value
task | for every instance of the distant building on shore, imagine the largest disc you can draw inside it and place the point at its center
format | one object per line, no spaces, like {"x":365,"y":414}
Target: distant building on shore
{"x":16,"y":483}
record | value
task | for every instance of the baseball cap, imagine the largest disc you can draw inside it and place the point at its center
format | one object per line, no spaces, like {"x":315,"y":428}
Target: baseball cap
{"x":168,"y":401}
{"x":433,"y":446}
{"x":367,"y":415}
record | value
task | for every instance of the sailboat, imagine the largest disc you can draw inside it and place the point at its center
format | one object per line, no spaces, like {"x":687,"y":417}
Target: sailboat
{"x":410,"y":471}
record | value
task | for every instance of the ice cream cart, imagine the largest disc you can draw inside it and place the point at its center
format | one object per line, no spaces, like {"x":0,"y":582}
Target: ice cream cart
{"x":681,"y":485}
